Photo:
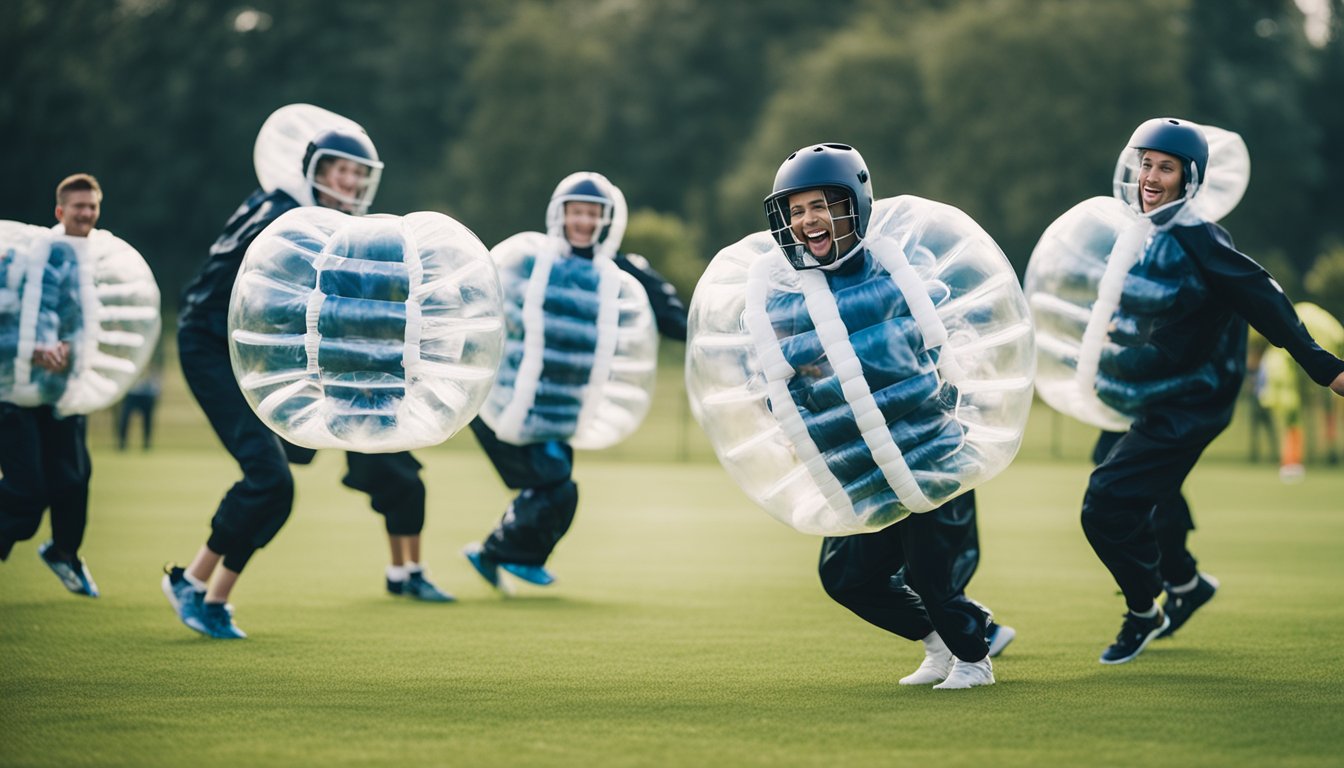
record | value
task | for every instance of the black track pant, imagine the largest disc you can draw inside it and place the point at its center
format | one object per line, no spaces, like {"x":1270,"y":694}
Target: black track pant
{"x":856,"y":571}
{"x":543,"y":510}
{"x":44,"y":463}
{"x":392,"y":481}
{"x":1143,"y":473}
{"x":255,"y":508}
{"x":1172,"y":524}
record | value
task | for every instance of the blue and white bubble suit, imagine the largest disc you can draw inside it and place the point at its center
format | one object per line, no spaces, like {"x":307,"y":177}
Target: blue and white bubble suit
{"x":1102,"y":272}
{"x":94,"y":293}
{"x":842,"y":407}
{"x":371,"y":334}
{"x":581,"y":353}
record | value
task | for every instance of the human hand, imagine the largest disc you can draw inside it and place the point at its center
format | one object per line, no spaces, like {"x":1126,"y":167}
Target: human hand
{"x":1337,"y":386}
{"x":54,"y":357}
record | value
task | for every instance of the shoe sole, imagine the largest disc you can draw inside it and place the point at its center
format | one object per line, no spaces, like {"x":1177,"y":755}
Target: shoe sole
{"x":548,"y":582}
{"x":1166,"y":622}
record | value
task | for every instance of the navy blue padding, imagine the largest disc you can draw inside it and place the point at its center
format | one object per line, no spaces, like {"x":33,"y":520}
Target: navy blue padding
{"x":382,"y":246}
{"x":336,"y":355}
{"x":570,"y":302}
{"x":381,"y":280}
{"x":363,"y":319}
{"x":574,"y":273}
{"x":570,"y":335}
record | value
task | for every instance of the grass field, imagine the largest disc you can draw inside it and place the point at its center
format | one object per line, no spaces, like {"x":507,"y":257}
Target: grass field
{"x":687,"y":628}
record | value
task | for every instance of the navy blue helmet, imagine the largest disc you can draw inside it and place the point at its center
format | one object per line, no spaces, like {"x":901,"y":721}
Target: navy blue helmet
{"x":1176,"y":137}
{"x":838,"y":170}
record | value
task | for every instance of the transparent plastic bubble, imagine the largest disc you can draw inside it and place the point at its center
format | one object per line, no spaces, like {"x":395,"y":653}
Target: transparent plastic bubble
{"x":1102,"y":272}
{"x":841,"y":404}
{"x":581,"y":353}
{"x":1228,"y":175}
{"x":95,"y":294}
{"x":282,"y":143}
{"x":373,"y":334}
{"x":1061,"y":286}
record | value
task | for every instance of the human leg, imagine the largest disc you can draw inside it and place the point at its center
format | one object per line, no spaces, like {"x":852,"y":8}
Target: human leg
{"x":396,"y":492}
{"x":255,"y":508}
{"x":23,"y":486}
{"x":1140,"y":472}
{"x":538,"y":517}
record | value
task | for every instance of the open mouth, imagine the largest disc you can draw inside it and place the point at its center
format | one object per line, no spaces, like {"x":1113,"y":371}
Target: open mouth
{"x":818,"y":242}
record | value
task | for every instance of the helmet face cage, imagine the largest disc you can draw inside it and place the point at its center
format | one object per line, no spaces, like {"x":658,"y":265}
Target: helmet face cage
{"x":839,"y":201}
{"x":838,"y":170}
{"x":334,"y":145}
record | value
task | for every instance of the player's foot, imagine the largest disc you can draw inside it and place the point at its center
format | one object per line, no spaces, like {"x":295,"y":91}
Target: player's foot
{"x":998,"y":636}
{"x":937,"y":664}
{"x":72,"y":571}
{"x":968,"y":674}
{"x":485,"y":565}
{"x":417,"y":587}
{"x":185,"y":598}
{"x":1179,"y":606}
{"x":1134,"y":636}
{"x":217,"y":619}
{"x":532,"y":574}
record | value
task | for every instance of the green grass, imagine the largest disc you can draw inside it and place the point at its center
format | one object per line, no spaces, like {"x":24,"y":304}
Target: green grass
{"x":687,"y":628}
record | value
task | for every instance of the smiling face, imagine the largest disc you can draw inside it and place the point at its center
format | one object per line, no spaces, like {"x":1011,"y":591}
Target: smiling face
{"x":78,"y":211}
{"x":815,"y":226}
{"x":582,"y":221}
{"x":345,"y":178}
{"x":1160,"y":179}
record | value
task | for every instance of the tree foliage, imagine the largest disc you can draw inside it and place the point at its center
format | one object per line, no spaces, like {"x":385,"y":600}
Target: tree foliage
{"x":1010,"y":109}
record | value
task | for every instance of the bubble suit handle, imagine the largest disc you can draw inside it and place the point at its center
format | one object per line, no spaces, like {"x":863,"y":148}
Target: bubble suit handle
{"x":372,"y":334}
{"x":95,"y":294}
{"x":842,"y":403}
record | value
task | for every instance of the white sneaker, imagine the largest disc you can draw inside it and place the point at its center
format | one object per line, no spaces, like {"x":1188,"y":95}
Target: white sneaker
{"x":968,"y":674}
{"x":937,"y":663}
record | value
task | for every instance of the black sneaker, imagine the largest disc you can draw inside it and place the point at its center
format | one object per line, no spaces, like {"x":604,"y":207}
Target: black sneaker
{"x":1180,"y":606}
{"x":1134,"y":636}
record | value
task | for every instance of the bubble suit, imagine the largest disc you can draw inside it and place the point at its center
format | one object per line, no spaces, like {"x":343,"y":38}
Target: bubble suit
{"x":94,"y":293}
{"x":372,"y":333}
{"x":843,"y":404}
{"x":581,"y":352}
{"x":283,"y":141}
{"x":1103,"y":274}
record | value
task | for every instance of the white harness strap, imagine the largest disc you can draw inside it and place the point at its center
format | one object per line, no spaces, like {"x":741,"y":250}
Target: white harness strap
{"x":608,"y":333}
{"x":509,"y":425}
{"x":1124,"y":255}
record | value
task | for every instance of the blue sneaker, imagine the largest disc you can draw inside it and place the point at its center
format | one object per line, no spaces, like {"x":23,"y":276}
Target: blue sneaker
{"x":73,"y":573}
{"x":998,"y":637}
{"x":217,"y":619}
{"x":417,"y":587}
{"x":533,"y":574}
{"x":483,"y":563}
{"x":185,"y":598}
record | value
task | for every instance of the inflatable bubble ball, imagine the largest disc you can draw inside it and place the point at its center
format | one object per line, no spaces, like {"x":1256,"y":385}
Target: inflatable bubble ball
{"x":371,"y":334}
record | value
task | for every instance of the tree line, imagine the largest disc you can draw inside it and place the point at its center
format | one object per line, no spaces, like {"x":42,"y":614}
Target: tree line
{"x":1012,"y":110}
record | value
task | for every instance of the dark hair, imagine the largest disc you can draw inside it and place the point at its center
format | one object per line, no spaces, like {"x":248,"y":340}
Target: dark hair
{"x":78,"y":182}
